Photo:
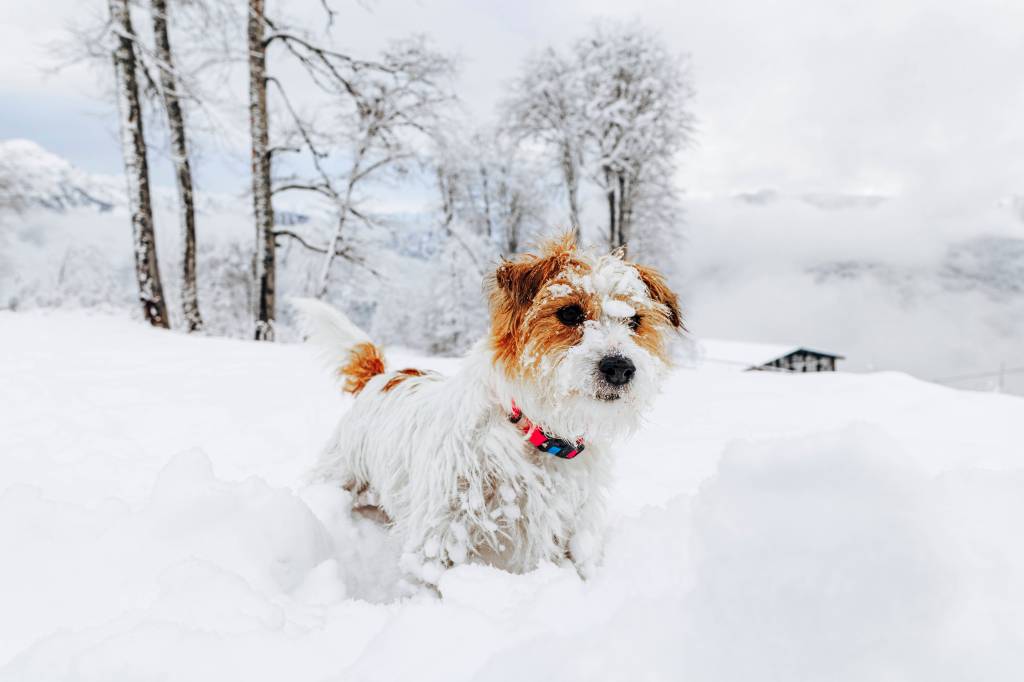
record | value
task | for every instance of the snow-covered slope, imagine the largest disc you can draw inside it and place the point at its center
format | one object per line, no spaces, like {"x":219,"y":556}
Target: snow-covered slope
{"x":916,"y":282}
{"x":154,"y":525}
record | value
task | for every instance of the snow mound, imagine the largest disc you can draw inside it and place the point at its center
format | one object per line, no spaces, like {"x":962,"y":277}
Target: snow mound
{"x":154,"y":525}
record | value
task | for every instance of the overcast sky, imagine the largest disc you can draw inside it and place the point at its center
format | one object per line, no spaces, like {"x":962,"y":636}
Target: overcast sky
{"x":880,"y":96}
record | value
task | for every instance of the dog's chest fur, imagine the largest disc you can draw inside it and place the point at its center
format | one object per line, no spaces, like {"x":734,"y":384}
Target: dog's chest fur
{"x":440,"y":457}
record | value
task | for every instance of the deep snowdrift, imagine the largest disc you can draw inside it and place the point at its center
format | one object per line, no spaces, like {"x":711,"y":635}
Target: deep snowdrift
{"x":153,"y":525}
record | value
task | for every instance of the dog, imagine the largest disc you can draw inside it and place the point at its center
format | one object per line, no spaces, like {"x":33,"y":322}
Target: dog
{"x":507,"y":462}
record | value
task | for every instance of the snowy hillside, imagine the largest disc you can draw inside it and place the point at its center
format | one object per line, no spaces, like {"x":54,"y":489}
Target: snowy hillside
{"x":154,"y":525}
{"x":895,"y":282}
{"x":70,"y":247}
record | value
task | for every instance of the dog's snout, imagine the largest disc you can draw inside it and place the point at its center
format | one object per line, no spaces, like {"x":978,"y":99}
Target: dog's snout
{"x":618,"y":370}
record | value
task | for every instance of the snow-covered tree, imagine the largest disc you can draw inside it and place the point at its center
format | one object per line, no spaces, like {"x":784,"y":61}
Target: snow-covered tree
{"x":456,"y":311}
{"x":133,"y":148}
{"x":172,"y":89}
{"x":360,"y":131}
{"x":614,"y":109}
{"x":380,"y":125}
{"x":546,"y":106}
{"x":264,"y":264}
{"x":656,"y":213}
{"x":491,"y":188}
{"x":171,"y":99}
{"x":489,"y":200}
{"x":636,"y":106}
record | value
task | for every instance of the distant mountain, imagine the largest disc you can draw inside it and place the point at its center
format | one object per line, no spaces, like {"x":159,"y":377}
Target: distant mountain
{"x":38,"y":178}
{"x":991,"y":264}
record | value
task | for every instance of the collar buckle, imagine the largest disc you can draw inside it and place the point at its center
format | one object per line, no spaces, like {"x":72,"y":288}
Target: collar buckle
{"x":559,"y":447}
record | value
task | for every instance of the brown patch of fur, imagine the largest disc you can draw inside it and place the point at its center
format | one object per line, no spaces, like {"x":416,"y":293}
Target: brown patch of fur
{"x":513,"y":289}
{"x":650,"y":333}
{"x":364,"y":363}
{"x":373,"y":513}
{"x":658,"y":290}
{"x":548,"y":335}
{"x":400,"y":376}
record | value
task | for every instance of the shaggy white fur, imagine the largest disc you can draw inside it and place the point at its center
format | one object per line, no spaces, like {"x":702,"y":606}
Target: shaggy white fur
{"x":456,"y":478}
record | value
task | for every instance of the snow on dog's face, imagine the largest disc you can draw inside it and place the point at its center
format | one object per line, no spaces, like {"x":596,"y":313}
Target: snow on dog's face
{"x":583,"y":339}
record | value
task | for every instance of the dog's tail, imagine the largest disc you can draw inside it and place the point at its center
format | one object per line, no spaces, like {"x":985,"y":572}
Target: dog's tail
{"x":344,"y":347}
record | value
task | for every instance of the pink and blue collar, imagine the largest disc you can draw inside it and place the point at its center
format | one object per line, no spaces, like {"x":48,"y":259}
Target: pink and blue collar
{"x":558,"y":447}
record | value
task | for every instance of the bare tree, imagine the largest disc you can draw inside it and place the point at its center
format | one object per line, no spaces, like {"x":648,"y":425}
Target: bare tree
{"x":375,"y":104}
{"x":381,"y":109}
{"x":263,"y":207}
{"x":133,"y":148}
{"x":183,"y":172}
{"x":546,"y":106}
{"x":490,"y":188}
{"x":616,"y":105}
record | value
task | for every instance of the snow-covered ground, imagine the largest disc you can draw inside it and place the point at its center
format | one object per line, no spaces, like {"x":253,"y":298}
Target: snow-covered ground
{"x":154,"y":526}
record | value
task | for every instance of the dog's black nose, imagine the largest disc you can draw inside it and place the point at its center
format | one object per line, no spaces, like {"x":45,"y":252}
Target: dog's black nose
{"x":617,"y":370}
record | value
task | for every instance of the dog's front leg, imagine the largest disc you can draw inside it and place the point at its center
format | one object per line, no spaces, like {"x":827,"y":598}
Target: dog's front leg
{"x":586,"y":544}
{"x":438,"y":548}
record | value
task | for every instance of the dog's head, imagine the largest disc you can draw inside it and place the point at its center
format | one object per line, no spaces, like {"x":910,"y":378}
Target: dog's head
{"x":582,"y":339}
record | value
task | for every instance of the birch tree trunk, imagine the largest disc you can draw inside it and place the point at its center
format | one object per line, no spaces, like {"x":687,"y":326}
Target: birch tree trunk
{"x":614,"y":236}
{"x":613,"y":226}
{"x":332,"y":246}
{"x":571,"y":177}
{"x":447,"y":191}
{"x":514,"y":227}
{"x":618,"y":194}
{"x":335,"y":243}
{"x":182,"y":168}
{"x":263,"y":209}
{"x":625,"y":211}
{"x":136,"y":170}
{"x":487,"y":202}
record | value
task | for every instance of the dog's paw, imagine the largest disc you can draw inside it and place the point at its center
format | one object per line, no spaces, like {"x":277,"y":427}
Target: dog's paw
{"x":428,"y":560}
{"x":585,"y":553}
{"x":411,"y":588}
{"x":422,"y":568}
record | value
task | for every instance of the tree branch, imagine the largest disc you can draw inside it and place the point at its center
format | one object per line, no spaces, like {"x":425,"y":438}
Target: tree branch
{"x":341,"y":253}
{"x":297,"y":237}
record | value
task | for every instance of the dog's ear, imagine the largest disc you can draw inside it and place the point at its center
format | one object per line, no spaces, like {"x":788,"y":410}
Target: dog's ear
{"x":659,"y":291}
{"x":522,"y":278}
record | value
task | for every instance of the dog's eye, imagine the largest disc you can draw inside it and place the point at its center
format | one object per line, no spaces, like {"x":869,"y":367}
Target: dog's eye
{"x":634,"y":322}
{"x":571,"y":315}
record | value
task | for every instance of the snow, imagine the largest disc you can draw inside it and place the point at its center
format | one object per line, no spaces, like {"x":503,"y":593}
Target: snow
{"x":46,"y":180}
{"x":740,"y":355}
{"x":154,"y":525}
{"x":613,"y":307}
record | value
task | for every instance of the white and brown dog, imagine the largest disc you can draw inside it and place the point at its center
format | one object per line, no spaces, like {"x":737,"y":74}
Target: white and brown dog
{"x":507,"y":461}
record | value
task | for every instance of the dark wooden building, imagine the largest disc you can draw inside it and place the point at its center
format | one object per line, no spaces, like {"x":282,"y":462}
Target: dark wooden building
{"x":802,"y":360}
{"x":743,"y":356}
